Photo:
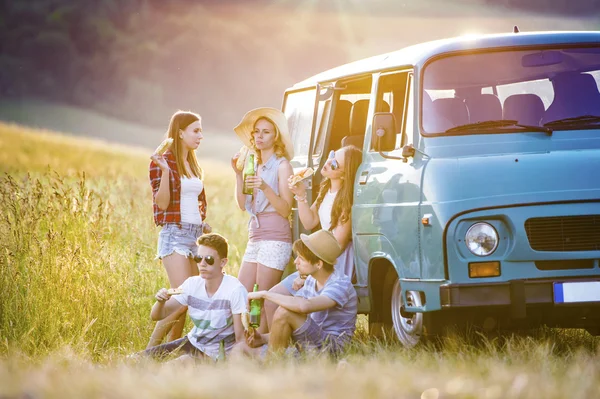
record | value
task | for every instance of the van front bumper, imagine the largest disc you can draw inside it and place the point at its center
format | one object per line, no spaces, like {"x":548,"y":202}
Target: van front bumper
{"x":516,"y":294}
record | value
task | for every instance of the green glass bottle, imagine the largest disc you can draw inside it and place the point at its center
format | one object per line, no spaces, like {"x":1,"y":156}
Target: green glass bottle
{"x":255,"y":305}
{"x":249,"y":170}
{"x":221,"y":356}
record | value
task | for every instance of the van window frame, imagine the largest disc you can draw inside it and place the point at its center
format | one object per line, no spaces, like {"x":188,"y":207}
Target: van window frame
{"x":406,"y":136}
{"x":314,"y":88}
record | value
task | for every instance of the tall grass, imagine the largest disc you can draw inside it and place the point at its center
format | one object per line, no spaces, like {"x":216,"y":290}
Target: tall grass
{"x":77,"y":278}
{"x":77,"y":243}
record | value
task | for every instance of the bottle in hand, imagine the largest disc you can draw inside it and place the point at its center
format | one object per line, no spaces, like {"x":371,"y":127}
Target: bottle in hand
{"x":249,"y":170}
{"x":255,"y":305}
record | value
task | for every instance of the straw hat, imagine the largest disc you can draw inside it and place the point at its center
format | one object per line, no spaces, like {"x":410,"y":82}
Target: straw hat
{"x":323,"y":244}
{"x":246,"y":126}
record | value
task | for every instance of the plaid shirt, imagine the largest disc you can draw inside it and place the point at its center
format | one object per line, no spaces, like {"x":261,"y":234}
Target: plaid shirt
{"x":172,"y":214}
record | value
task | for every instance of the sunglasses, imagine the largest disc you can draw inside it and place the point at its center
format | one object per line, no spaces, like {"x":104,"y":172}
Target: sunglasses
{"x":334,"y":163}
{"x":208,"y":258}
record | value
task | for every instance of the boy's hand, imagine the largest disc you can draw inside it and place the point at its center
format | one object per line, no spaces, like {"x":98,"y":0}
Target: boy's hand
{"x":298,"y":283}
{"x":256,"y":295}
{"x":162,"y":296}
{"x":254,"y":339}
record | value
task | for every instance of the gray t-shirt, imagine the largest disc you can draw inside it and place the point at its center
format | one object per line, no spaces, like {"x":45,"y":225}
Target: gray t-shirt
{"x":341,"y":319}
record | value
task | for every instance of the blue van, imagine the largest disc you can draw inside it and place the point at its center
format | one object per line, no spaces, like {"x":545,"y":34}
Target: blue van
{"x":478,"y":197}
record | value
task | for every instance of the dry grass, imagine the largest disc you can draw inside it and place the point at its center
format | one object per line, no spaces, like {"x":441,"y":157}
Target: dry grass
{"x":77,"y":273}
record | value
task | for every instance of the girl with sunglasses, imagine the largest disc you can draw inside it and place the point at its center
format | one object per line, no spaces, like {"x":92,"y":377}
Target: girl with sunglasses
{"x":179,"y":202}
{"x":332,"y":210}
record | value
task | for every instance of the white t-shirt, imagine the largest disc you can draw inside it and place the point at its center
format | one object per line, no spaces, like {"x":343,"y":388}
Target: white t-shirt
{"x":325,"y":210}
{"x":190,"y":190}
{"x":213,"y":317}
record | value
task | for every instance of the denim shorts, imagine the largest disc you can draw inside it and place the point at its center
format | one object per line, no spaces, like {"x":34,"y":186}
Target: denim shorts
{"x":180,"y":239}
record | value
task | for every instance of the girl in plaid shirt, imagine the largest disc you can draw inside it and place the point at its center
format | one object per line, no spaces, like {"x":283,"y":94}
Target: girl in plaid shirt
{"x":179,"y":202}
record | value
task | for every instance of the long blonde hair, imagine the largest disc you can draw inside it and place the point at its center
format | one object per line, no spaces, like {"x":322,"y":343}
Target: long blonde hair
{"x":278,"y":147}
{"x":180,"y":121}
{"x":341,"y":211}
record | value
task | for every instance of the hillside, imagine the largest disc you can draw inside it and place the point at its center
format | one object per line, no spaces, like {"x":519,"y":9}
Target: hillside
{"x":140,"y":60}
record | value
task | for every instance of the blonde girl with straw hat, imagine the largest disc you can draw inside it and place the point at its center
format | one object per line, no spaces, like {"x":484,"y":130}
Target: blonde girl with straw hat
{"x":179,"y":202}
{"x":265,"y":132}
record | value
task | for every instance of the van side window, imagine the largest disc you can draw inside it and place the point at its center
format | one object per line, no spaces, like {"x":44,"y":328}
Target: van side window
{"x":394,"y":94}
{"x":321,"y":126}
{"x":299,"y":109}
{"x":349,"y":118}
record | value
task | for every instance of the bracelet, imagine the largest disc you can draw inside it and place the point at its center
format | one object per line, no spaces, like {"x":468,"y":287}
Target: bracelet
{"x":303,"y":199}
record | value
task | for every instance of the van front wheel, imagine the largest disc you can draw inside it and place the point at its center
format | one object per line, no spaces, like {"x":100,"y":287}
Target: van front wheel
{"x":408,"y":326}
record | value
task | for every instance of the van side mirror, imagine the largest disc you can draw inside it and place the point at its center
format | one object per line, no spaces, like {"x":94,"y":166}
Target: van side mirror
{"x":384,"y":132}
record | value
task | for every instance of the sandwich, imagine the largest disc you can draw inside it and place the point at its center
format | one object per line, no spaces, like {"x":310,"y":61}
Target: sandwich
{"x":246,"y":320}
{"x":175,"y":291}
{"x":303,"y":174}
{"x":164,"y":146}
{"x":242,"y":158}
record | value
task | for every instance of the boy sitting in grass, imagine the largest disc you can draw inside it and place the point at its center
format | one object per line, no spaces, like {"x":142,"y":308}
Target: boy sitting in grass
{"x":321,"y":315}
{"x":215,"y":303}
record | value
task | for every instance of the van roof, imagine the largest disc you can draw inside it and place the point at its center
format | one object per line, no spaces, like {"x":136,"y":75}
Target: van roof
{"x":418,"y":54}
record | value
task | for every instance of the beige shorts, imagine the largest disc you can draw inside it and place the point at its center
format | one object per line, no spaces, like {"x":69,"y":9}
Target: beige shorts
{"x":273,"y":254}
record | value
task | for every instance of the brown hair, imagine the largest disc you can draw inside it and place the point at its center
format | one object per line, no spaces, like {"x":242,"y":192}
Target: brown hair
{"x":216,"y":242}
{"x":342,"y":204}
{"x":302,"y":250}
{"x":278,"y":147}
{"x":180,"y":121}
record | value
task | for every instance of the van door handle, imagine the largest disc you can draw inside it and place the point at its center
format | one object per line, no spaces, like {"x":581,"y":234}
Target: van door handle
{"x":364,"y":175}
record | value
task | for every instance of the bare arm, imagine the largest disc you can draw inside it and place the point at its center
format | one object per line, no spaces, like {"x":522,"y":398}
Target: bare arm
{"x":164,"y":305}
{"x":238,"y":327}
{"x":309,"y":217}
{"x":343,"y":233}
{"x":296,"y":304}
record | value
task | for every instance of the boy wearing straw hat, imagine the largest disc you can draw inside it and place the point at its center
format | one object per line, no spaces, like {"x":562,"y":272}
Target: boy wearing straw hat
{"x":322,"y":315}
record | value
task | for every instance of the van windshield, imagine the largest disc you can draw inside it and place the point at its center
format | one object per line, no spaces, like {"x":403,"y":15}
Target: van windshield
{"x":557,"y":89}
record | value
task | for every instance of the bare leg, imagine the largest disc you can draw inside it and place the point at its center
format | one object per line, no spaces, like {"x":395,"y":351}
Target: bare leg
{"x":247,"y":275}
{"x":177,"y":328}
{"x":271,"y":307}
{"x":178,"y":270}
{"x":284,"y":323}
{"x":266,"y":278}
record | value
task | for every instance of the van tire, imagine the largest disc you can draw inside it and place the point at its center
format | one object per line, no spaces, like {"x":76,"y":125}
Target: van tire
{"x":409,"y":328}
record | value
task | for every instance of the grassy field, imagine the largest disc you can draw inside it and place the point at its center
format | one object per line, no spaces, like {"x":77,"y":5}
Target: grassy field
{"x":77,"y":278}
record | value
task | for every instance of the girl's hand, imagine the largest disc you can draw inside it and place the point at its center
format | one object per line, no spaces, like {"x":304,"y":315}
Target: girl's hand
{"x":234,"y":164}
{"x":299,"y":189}
{"x":160,"y":161}
{"x":162,"y":296}
{"x":255,"y":182}
{"x":206,"y":229}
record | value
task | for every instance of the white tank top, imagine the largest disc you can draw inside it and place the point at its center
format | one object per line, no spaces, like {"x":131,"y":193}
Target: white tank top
{"x":190,"y":190}
{"x":325,"y":210}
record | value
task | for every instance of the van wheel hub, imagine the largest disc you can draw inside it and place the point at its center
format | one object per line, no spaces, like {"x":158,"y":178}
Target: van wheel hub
{"x":408,"y":326}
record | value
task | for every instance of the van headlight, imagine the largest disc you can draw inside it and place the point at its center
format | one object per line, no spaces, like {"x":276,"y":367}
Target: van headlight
{"x":481,"y":239}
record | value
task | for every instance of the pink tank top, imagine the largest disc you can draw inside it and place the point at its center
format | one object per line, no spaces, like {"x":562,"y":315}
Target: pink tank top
{"x":273,"y":227}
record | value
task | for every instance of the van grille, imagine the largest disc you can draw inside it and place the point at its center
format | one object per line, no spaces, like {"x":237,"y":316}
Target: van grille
{"x":564,"y":233}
